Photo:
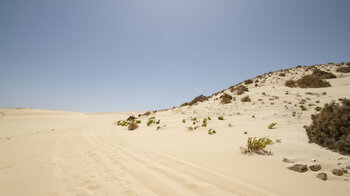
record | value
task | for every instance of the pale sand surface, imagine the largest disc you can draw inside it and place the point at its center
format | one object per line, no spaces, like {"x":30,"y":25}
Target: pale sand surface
{"x":65,"y":153}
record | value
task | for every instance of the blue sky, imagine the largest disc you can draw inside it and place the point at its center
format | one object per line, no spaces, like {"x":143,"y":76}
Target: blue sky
{"x":127,"y":55}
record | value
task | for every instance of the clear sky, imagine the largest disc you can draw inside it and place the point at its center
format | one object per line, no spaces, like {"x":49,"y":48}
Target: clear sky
{"x":127,"y":55}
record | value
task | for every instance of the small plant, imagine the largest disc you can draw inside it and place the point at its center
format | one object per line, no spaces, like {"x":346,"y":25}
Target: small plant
{"x":294,"y":113}
{"x":272,"y":125}
{"x":245,"y":133}
{"x":209,"y":118}
{"x":158,"y":121}
{"x":255,"y":145}
{"x":138,"y":121}
{"x":246,"y":99}
{"x":204,"y":125}
{"x":278,"y":141}
{"x":149,"y":122}
{"x":211,"y":131}
{"x":318,"y":101}
{"x":220,"y":118}
{"x":303,"y":108}
{"x":318,"y":108}
{"x":282,"y":74}
{"x":239,"y":90}
{"x":158,"y":128}
{"x":132,"y":126}
{"x":183,"y":121}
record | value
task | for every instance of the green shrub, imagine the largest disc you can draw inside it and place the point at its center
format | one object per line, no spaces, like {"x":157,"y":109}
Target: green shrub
{"x":323,"y":74}
{"x":331,"y":127}
{"x":149,"y":122}
{"x":204,"y":125}
{"x":211,"y":131}
{"x":272,"y":125}
{"x":303,"y":108}
{"x":220,"y":118}
{"x":255,"y":145}
{"x":310,"y":81}
{"x":183,"y":121}
{"x":245,"y":132}
{"x":318,"y":108}
{"x":209,"y":118}
{"x":158,"y":122}
{"x":138,"y":121}
{"x":343,"y":69}
{"x":132,"y":126}
{"x":246,"y":99}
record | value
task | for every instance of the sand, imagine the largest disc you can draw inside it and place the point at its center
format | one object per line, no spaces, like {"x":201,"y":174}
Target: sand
{"x":66,"y":153}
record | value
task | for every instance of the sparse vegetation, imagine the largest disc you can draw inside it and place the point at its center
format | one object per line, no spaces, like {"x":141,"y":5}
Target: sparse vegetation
{"x":331,"y":127}
{"x":183,"y":121}
{"x":343,"y":69}
{"x":318,"y":108}
{"x":220,"y":118}
{"x":246,"y":99}
{"x":255,"y":145}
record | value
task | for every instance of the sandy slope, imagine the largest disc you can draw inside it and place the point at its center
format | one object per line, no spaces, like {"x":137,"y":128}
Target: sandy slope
{"x":65,"y":153}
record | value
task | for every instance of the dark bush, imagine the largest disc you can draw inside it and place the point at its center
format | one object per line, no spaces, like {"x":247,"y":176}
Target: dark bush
{"x":290,"y":83}
{"x":246,"y":99}
{"x":282,"y":74}
{"x":331,"y":127}
{"x":200,"y":98}
{"x":132,"y":126}
{"x":248,"y":81}
{"x":225,"y":98}
{"x":323,"y":74}
{"x":343,"y":69}
{"x":310,"y":81}
{"x":239,"y":90}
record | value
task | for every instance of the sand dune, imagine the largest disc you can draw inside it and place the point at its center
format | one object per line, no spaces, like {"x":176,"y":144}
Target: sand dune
{"x":67,"y":153}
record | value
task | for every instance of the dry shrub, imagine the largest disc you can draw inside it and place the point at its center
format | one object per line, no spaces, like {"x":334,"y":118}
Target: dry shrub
{"x":132,"y":126}
{"x":310,"y":81}
{"x":290,"y":83}
{"x":146,"y":113}
{"x":282,"y":74}
{"x":248,"y":82}
{"x":331,"y":127}
{"x":226,"y":98}
{"x":239,"y":90}
{"x":246,"y":99}
{"x":343,"y":69}
{"x":197,"y":99}
{"x":323,"y":74}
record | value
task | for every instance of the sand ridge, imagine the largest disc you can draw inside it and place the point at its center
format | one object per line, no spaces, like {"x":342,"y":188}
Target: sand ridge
{"x":66,"y":153}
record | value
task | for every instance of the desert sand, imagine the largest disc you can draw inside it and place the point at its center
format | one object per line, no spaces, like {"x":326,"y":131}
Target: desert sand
{"x":46,"y":152}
